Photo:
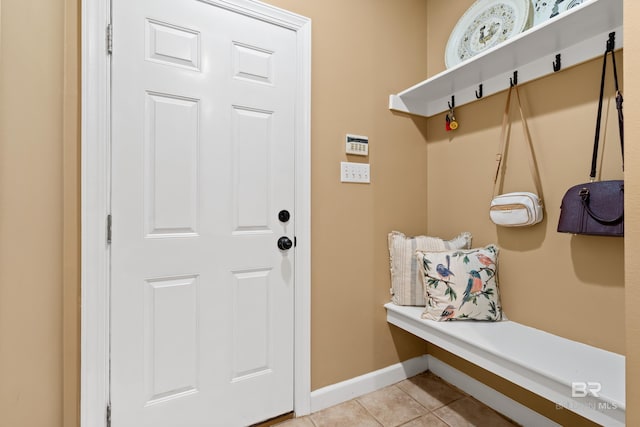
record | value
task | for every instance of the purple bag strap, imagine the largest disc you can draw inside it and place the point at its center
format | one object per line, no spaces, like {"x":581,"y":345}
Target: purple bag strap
{"x":594,"y":159}
{"x":584,"y":199}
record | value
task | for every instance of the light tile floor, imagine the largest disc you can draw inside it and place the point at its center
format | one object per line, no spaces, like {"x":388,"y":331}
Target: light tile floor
{"x":424,"y":400}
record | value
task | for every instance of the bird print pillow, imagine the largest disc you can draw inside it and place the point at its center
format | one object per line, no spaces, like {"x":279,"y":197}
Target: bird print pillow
{"x":461,"y":284}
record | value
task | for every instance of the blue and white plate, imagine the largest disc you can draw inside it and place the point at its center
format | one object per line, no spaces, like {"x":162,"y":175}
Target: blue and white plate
{"x":485,"y":24}
{"x":546,"y":9}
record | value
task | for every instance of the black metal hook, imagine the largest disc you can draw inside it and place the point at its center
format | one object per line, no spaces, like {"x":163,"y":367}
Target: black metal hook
{"x":513,"y":80}
{"x":611,"y":43}
{"x":479,"y":94}
{"x":452,"y":104}
{"x":557,"y":64}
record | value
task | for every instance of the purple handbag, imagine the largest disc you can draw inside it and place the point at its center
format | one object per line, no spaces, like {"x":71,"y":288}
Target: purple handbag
{"x":597,"y":207}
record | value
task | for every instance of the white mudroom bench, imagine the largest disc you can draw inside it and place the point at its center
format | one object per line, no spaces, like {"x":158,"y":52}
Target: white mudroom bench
{"x":584,"y":379}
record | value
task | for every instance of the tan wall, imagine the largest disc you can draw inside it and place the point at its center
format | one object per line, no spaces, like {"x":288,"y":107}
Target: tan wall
{"x":71,"y":217}
{"x":572,"y":286}
{"x":39,"y":213}
{"x":632,"y":208}
{"x":40,"y":218}
{"x":31,"y":212}
{"x":39,"y":201}
{"x":363,"y":50}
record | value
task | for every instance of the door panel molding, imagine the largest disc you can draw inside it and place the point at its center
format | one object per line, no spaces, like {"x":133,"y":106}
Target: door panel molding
{"x":95,"y":176}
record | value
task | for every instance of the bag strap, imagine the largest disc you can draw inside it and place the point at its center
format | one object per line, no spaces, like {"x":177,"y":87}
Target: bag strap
{"x":584,"y":198}
{"x":504,"y":141}
{"x":594,"y":157}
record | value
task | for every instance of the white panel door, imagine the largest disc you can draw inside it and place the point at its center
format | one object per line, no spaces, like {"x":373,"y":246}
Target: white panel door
{"x":202,"y":164}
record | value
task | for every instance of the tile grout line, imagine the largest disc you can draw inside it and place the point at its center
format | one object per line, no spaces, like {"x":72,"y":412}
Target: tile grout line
{"x":431,"y":411}
{"x":357,"y":400}
{"x":412,"y":398}
{"x":428,"y":411}
{"x":312,"y":422}
{"x":463,"y":395}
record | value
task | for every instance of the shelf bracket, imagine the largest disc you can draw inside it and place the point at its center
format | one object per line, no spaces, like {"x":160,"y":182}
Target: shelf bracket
{"x":479,"y":92}
{"x":557,"y":64}
{"x":513,"y":80}
{"x":452,"y":104}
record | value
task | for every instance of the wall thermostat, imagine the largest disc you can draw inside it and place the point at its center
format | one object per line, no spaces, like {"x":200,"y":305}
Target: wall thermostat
{"x":357,"y":145}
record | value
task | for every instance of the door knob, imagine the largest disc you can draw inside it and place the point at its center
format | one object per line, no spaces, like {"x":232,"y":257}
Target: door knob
{"x":284,"y":215}
{"x":284,"y":243}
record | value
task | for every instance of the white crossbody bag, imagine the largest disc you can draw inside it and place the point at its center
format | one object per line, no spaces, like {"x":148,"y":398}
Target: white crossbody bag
{"x":517,"y":209}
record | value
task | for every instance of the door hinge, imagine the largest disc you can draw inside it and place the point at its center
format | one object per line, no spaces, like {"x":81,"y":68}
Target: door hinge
{"x":109,"y":39}
{"x":108,"y":415}
{"x":109,"y":229}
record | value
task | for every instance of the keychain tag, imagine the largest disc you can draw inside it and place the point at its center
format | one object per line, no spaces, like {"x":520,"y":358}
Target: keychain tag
{"x":452,"y":124}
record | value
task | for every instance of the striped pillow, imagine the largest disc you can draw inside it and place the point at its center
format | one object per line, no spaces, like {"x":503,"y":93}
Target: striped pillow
{"x":406,"y":280}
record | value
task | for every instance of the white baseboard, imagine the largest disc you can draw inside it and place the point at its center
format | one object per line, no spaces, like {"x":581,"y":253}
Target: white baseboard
{"x":355,"y":387}
{"x":367,"y":383}
{"x":490,"y":397}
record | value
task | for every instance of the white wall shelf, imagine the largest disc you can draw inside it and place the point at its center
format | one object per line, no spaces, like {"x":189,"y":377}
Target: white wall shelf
{"x":579,"y":34}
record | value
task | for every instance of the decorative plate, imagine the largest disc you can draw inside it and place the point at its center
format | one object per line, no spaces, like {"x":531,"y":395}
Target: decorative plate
{"x":485,"y":24}
{"x":545,"y":9}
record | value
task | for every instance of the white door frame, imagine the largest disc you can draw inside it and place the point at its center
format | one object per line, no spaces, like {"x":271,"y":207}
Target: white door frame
{"x":95,"y":205}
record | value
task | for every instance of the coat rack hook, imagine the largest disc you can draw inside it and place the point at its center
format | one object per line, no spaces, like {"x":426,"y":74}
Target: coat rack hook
{"x":452,"y":104}
{"x":513,"y":80}
{"x":611,"y":43}
{"x":557,"y":64}
{"x":479,"y":92}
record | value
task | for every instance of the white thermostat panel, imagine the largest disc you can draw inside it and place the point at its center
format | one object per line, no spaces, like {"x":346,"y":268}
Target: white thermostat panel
{"x":358,"y":145}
